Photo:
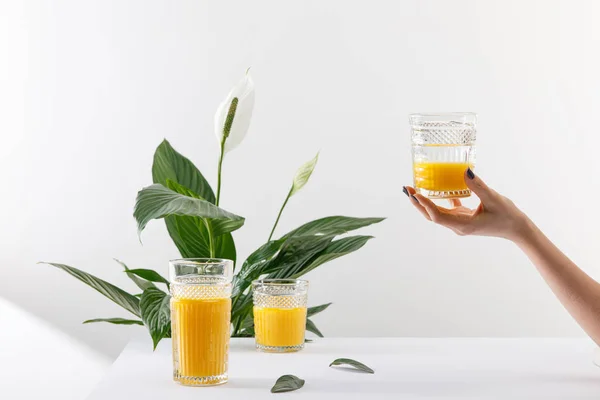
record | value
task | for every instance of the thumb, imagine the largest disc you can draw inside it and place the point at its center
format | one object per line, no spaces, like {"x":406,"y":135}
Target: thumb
{"x":478,"y":186}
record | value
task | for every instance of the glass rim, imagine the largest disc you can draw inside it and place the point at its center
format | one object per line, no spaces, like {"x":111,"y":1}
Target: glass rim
{"x":200,"y":271}
{"x":201,"y":260}
{"x":443,"y":114}
{"x":280,"y":282}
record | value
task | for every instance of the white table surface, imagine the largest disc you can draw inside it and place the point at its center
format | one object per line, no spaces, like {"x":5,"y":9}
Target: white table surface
{"x":405,"y":368}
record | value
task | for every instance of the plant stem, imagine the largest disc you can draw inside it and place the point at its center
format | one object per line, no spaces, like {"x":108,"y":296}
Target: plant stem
{"x":219,"y":170}
{"x":211,"y":244}
{"x":279,"y":215}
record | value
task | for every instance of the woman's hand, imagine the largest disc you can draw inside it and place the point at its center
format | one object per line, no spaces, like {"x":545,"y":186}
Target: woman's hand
{"x":495,"y":216}
{"x":498,"y":216}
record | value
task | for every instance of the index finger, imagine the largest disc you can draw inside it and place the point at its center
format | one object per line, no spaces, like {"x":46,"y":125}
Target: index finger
{"x":409,"y":191}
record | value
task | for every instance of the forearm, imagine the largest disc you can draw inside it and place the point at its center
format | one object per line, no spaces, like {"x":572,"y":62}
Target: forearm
{"x":578,"y":293}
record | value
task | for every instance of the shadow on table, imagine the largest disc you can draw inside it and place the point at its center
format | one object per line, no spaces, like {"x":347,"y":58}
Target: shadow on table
{"x":245,"y":384}
{"x":525,"y":385}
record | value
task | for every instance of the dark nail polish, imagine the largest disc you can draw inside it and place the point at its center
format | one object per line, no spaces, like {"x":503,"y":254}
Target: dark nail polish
{"x":404,"y":190}
{"x":470,"y":173}
{"x":415,"y":199}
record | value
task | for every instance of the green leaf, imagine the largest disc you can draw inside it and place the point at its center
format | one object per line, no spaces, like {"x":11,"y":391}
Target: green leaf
{"x":251,"y":269}
{"x":246,"y":329}
{"x":335,"y":225}
{"x":189,"y":235}
{"x":241,"y":311}
{"x":253,"y":266}
{"x":317,"y":309}
{"x":196,"y":232}
{"x":117,"y":295}
{"x":157,"y":201}
{"x":335,"y":249}
{"x":169,"y":164}
{"x":245,"y":333}
{"x":282,"y":262}
{"x":224,"y":226}
{"x":311,"y":327}
{"x":149,"y":275}
{"x":156,"y":313}
{"x":294,"y":255}
{"x":117,"y":321}
{"x":353,"y":363}
{"x":287,"y":383}
{"x":303,"y":174}
{"x":179,"y":188}
{"x":225,"y":248}
{"x":260,"y":256}
{"x":248,"y":322}
{"x":141,"y":283}
{"x":287,"y":258}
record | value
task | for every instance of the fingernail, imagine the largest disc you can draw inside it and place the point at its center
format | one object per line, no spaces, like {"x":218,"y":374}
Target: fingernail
{"x":404,"y":190}
{"x":415,"y":199}
{"x":470,"y":173}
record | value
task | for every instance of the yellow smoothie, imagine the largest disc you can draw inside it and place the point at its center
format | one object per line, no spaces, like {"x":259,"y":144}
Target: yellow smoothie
{"x":440,"y":177}
{"x":279,"y":327}
{"x":200,"y":332}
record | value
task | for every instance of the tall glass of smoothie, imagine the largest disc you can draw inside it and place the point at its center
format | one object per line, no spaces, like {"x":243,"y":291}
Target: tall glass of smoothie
{"x":280,"y":314}
{"x":443,"y":147}
{"x":200,"y":319}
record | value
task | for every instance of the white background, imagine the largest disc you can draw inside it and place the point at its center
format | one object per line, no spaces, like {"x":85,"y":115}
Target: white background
{"x":90,"y":88}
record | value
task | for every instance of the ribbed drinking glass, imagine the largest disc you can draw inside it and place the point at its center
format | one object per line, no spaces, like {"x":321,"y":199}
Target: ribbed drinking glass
{"x":200,"y":319}
{"x":443,"y":147}
{"x":280,"y":314}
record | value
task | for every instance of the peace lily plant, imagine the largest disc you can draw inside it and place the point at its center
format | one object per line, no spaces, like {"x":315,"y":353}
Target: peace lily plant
{"x":201,"y":229}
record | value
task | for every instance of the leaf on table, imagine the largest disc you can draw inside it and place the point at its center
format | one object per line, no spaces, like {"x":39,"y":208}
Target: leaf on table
{"x":311,"y":327}
{"x":353,"y":363}
{"x":287,"y":383}
{"x":156,"y":313}
{"x":117,"y":321}
{"x":317,"y":309}
{"x":117,"y":295}
{"x":308,"y":341}
{"x":149,"y":275}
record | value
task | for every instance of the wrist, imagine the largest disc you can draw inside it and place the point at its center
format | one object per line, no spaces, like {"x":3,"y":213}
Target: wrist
{"x":524,"y":232}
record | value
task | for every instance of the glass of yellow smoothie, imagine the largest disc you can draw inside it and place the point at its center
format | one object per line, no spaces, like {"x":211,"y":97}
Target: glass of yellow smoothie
{"x":280,"y":314}
{"x":443,"y":147}
{"x":200,"y":319}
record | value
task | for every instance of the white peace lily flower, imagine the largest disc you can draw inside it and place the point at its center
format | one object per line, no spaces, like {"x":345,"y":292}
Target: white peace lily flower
{"x":241,"y":113}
